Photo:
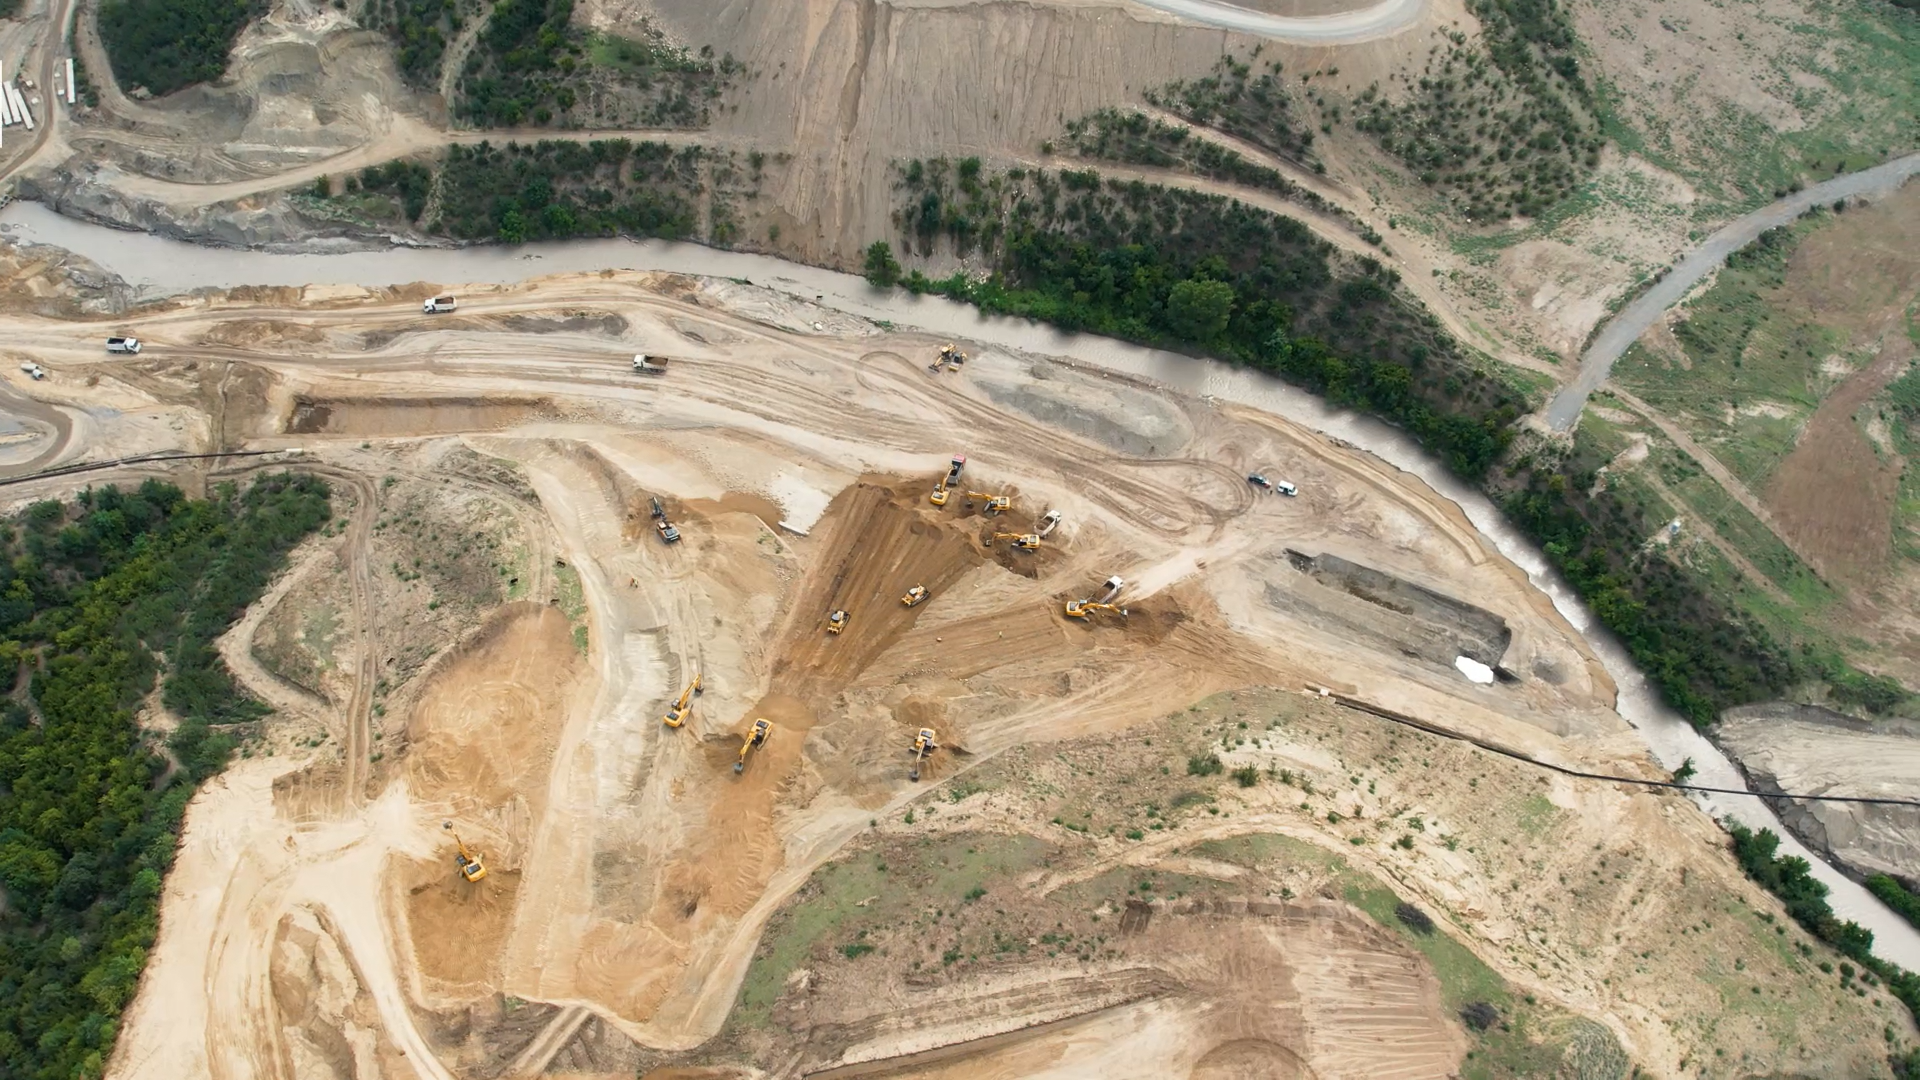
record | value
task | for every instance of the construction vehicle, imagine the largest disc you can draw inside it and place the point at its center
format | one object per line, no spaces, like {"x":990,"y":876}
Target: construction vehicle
{"x":467,"y":860}
{"x":437,"y":305}
{"x":837,"y":621}
{"x":649,"y":365}
{"x":123,"y":344}
{"x":667,"y":532}
{"x":1023,"y":541}
{"x":1049,"y":523}
{"x":915,"y":595}
{"x":992,"y":504}
{"x":940,"y":492}
{"x":677,"y":715}
{"x":33,"y":370}
{"x":754,"y":740}
{"x":950,"y":359}
{"x":1080,"y":609}
{"x":923,"y":745}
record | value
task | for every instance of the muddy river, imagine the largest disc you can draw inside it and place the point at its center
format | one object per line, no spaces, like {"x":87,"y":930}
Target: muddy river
{"x":158,"y":267}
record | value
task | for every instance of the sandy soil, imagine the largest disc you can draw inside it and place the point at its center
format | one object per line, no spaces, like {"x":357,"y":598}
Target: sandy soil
{"x":630,"y":870}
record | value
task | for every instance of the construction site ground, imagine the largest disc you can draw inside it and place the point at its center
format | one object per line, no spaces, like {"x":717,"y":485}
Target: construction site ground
{"x":490,"y":631}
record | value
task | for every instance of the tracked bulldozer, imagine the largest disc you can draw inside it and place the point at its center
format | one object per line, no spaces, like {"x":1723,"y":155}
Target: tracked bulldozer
{"x":677,"y":715}
{"x":915,"y":596}
{"x":837,"y":622}
{"x":754,"y":740}
{"x":923,"y":744}
{"x":465,"y":858}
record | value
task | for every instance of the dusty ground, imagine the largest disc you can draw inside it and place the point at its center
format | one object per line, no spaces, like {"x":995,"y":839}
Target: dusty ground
{"x":489,"y":632}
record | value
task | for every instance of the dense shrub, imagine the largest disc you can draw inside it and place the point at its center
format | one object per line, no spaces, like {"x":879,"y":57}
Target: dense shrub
{"x":1414,"y":919}
{"x":555,"y":190}
{"x":1895,"y":895}
{"x":165,"y":45}
{"x":420,"y":30}
{"x":92,"y":595}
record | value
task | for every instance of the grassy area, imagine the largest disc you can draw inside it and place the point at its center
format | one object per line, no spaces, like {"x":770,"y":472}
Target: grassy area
{"x":167,"y":45}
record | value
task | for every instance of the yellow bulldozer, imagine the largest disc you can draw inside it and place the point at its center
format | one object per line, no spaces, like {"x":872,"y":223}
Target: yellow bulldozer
{"x":992,"y":504}
{"x":677,"y":715}
{"x":837,"y":622}
{"x":755,"y":739}
{"x":923,"y":745}
{"x":465,"y":858}
{"x":1023,"y":541}
{"x":915,"y":596}
{"x":943,"y":487}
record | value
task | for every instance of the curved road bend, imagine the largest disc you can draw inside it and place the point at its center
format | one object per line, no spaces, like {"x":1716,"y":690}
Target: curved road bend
{"x":1362,"y":24}
{"x":1625,"y":328}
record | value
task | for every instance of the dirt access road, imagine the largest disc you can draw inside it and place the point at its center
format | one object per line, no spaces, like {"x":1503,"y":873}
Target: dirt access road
{"x":630,"y":870}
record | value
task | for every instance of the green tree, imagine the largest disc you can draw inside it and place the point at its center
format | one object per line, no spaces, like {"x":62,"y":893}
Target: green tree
{"x":882,"y":268}
{"x":513,"y":227}
{"x":1198,"y":309}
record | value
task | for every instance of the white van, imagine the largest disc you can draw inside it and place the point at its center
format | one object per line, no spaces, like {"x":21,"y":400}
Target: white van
{"x":437,"y":305}
{"x":123,"y":344}
{"x":1285,"y":488}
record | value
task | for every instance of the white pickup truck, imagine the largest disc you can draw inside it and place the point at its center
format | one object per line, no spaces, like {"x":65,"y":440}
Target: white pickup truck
{"x":649,"y":365}
{"x":437,"y":305}
{"x":123,"y":344}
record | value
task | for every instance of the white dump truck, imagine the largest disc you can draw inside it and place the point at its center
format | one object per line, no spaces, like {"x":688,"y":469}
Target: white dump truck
{"x":123,"y":344}
{"x":437,"y":305}
{"x":649,"y":365}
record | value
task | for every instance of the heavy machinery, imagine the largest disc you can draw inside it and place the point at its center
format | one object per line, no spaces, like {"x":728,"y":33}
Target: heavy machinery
{"x":992,"y":504}
{"x":667,"y":532}
{"x":940,"y":490}
{"x":467,"y":859}
{"x":923,"y":745}
{"x":837,"y":621}
{"x":949,"y":359}
{"x":1080,"y":609}
{"x":1049,"y":523}
{"x":677,"y":715}
{"x":915,"y":595}
{"x":755,"y":739}
{"x":1023,"y":541}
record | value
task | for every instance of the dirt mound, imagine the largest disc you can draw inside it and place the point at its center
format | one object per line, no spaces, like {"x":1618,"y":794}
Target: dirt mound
{"x":410,"y":416}
{"x":1251,"y":1059}
{"x":262,"y":332}
{"x":458,"y":926}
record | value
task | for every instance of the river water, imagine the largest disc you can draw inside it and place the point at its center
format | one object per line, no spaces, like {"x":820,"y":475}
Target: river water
{"x":159,"y":267}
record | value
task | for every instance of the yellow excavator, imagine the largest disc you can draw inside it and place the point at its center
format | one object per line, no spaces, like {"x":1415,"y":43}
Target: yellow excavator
{"x":1023,"y":541}
{"x":837,"y":622}
{"x":678,"y":714}
{"x":467,"y":860}
{"x":915,"y":595}
{"x":754,"y":740}
{"x":992,"y":504}
{"x":1082,"y":609}
{"x":923,"y":745}
{"x":941,"y":489}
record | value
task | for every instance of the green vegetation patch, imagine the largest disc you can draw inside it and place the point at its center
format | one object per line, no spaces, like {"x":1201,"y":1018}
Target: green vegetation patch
{"x":1188,"y":270}
{"x":165,"y":45}
{"x":556,"y":190}
{"x":421,"y":31}
{"x":1505,"y":125}
{"x":1256,"y":108}
{"x":92,"y":595}
{"x":532,"y":66}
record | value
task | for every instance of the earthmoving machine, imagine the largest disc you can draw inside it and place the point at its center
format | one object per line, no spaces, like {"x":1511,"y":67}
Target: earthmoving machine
{"x":915,"y":595}
{"x":837,"y":621}
{"x":649,"y":365}
{"x":667,"y":532}
{"x":949,"y":359}
{"x":1023,"y":541}
{"x":678,"y":714}
{"x":940,"y":490}
{"x":467,"y":859}
{"x":992,"y":504}
{"x":1049,"y":523}
{"x":755,"y":739}
{"x":923,"y":745}
{"x":1080,"y":609}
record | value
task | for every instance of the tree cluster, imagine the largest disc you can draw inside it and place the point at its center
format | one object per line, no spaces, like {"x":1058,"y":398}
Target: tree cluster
{"x":93,"y":596}
{"x":556,"y":190}
{"x":420,"y":30}
{"x":165,"y":45}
